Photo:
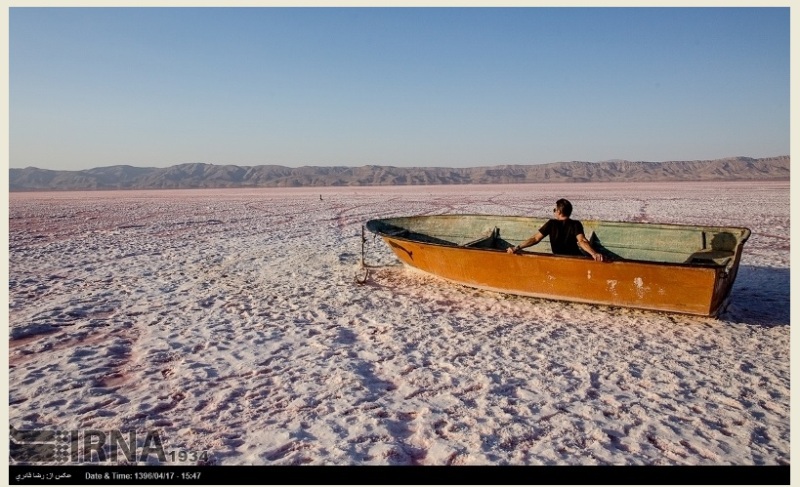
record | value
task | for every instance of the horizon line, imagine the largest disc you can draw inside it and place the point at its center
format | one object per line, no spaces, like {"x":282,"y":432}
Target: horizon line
{"x":395,"y":166}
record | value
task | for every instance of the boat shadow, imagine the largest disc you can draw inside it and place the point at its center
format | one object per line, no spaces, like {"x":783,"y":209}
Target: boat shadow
{"x":760,"y":296}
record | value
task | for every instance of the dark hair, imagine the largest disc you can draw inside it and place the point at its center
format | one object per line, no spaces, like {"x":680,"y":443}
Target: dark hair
{"x":564,"y":207}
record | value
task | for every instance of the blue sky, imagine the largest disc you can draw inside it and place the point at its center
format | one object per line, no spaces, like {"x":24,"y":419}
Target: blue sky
{"x":458,"y":87}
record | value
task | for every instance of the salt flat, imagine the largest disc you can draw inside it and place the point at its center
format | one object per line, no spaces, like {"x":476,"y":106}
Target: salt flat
{"x":232,"y":322}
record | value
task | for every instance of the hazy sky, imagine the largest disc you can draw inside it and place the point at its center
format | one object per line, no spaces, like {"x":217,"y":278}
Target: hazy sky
{"x":460,"y":87}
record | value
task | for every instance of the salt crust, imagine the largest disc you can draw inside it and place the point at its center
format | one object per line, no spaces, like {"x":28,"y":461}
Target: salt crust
{"x":232,"y":322}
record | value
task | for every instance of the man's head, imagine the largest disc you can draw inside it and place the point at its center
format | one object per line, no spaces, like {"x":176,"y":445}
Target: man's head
{"x":564,"y":207}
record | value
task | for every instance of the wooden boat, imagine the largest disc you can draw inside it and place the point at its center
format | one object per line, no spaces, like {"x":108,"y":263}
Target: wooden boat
{"x":662,"y":267}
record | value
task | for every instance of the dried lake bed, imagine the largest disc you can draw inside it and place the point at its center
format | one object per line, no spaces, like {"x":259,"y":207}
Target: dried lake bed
{"x":232,"y":321}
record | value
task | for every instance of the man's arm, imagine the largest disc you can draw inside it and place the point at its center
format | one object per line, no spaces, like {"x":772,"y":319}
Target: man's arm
{"x":531,"y":241}
{"x":587,"y":247}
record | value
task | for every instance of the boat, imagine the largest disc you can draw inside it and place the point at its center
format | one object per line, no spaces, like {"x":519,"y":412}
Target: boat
{"x":672,"y":268}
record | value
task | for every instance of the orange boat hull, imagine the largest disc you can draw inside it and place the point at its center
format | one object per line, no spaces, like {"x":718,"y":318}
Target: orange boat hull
{"x":653,"y":286}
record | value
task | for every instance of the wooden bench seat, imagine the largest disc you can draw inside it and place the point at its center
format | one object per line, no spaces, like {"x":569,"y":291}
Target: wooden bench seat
{"x":485,"y":241}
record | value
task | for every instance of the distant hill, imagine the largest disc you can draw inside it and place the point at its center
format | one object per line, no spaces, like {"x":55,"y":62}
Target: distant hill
{"x":228,"y":176}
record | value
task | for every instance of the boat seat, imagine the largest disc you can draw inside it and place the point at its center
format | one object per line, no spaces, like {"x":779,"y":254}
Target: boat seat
{"x":719,"y":258}
{"x":485,"y":241}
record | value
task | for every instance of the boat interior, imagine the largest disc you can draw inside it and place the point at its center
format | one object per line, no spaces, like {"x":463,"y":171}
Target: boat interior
{"x":678,"y":244}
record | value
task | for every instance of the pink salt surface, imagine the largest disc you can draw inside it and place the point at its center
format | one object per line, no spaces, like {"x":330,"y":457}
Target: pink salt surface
{"x":231,"y":321}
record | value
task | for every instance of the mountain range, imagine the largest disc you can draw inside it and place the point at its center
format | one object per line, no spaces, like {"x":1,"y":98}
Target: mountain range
{"x":200,"y":175}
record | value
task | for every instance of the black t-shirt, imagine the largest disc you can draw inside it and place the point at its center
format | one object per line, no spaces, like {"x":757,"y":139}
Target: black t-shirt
{"x":563,"y":236}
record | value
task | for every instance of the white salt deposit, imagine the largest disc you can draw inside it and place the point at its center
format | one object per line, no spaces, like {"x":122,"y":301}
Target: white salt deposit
{"x":232,"y":322}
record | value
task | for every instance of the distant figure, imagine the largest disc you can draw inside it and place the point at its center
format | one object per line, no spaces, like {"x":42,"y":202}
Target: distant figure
{"x":320,"y":197}
{"x":566,"y":236}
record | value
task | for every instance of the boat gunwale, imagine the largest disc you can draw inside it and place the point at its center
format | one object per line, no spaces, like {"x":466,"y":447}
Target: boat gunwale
{"x":697,"y":265}
{"x":685,"y":226}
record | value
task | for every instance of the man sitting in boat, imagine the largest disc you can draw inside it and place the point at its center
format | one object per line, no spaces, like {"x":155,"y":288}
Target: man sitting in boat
{"x":566,"y":235}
